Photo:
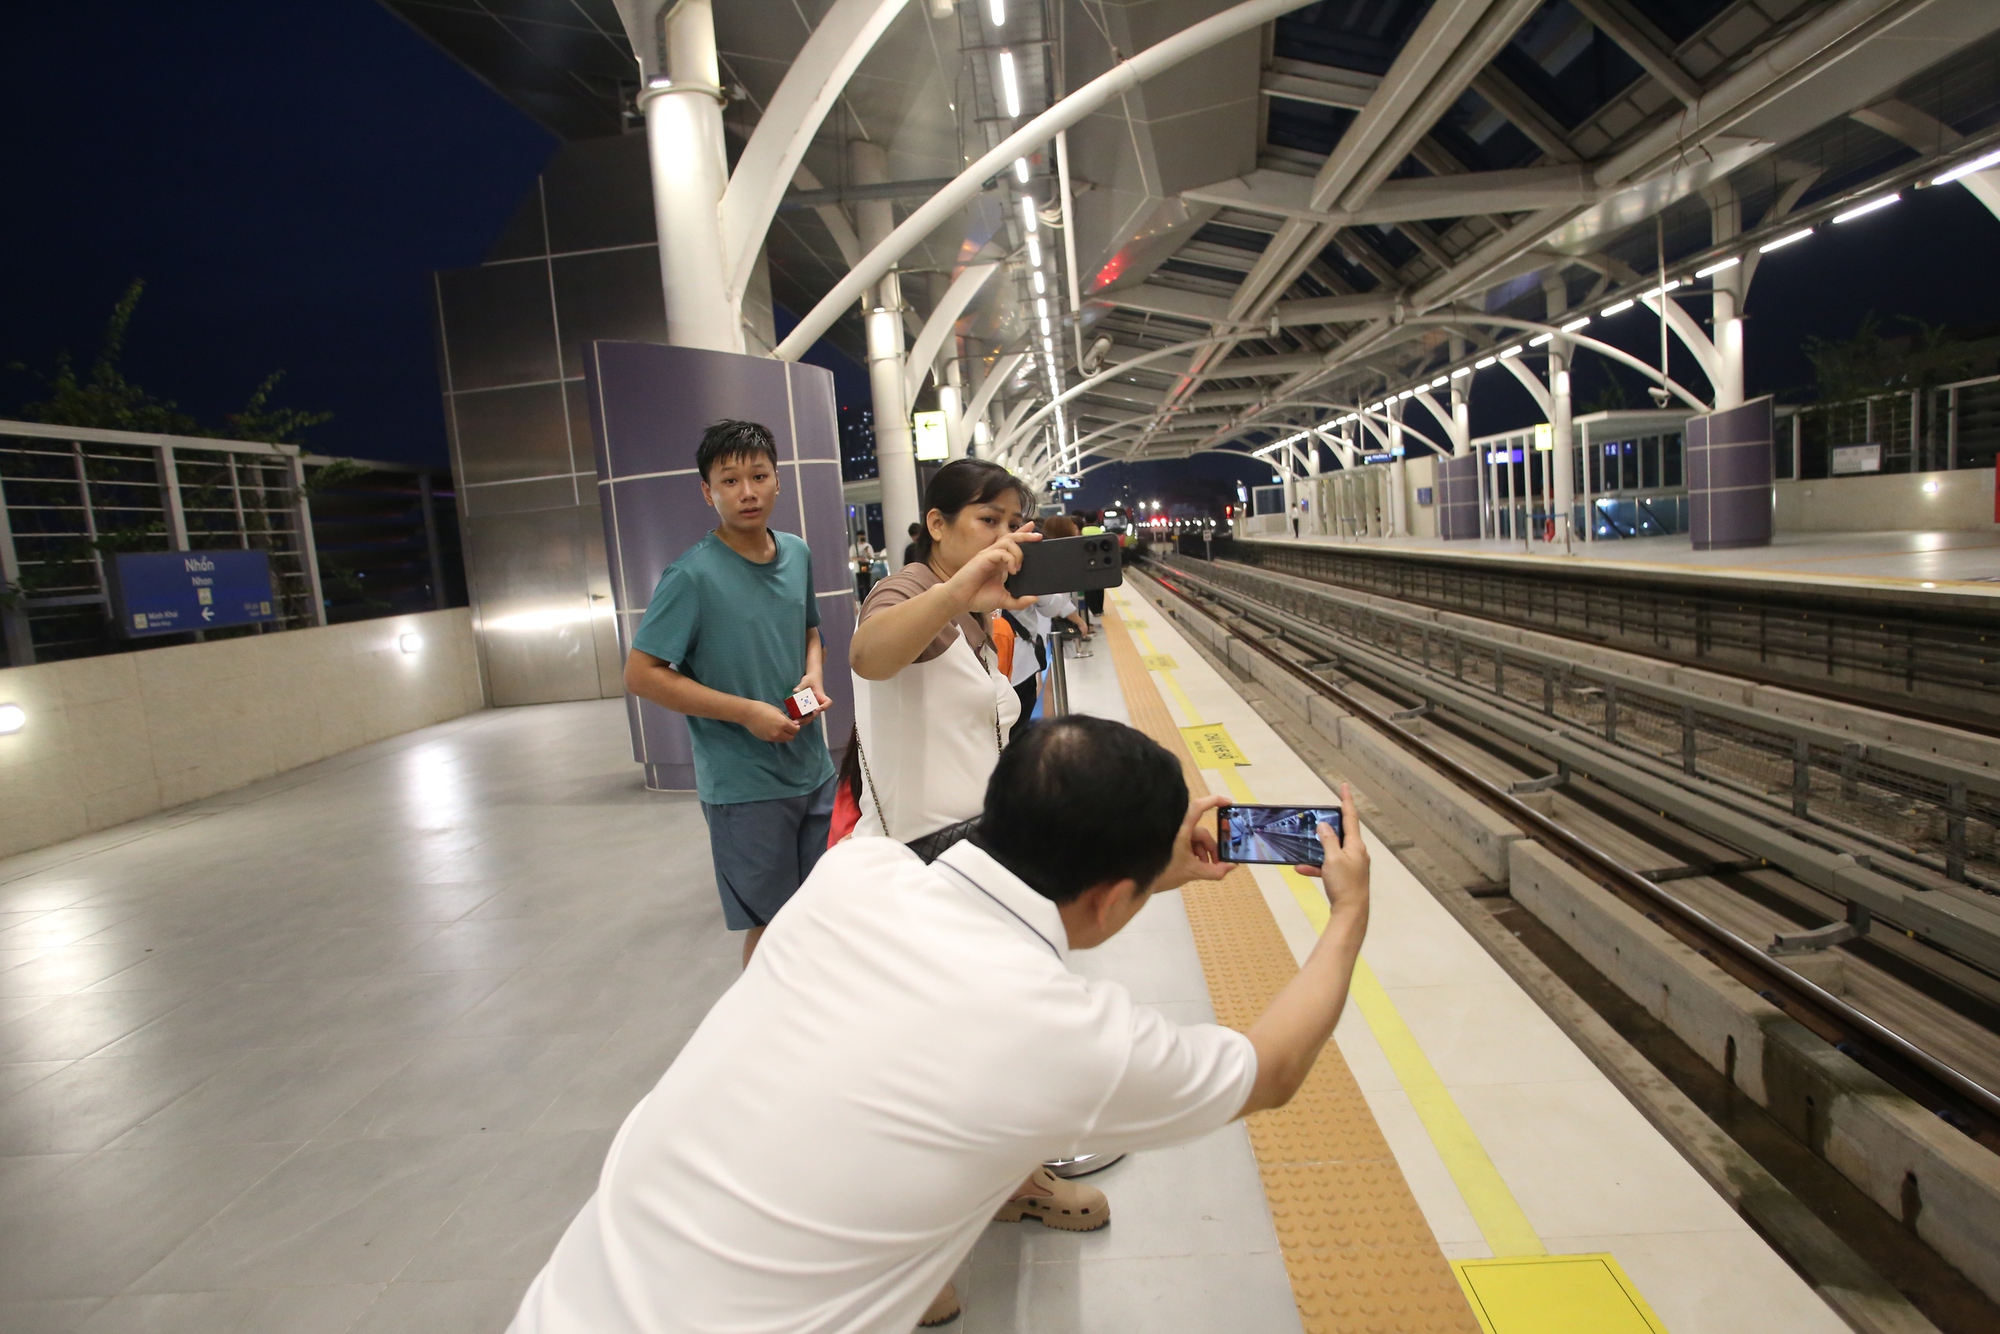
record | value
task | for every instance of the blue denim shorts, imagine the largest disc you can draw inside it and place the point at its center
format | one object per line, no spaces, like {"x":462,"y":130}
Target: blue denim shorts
{"x":764,"y":850}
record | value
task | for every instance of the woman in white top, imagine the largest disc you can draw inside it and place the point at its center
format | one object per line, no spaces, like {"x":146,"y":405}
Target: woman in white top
{"x":932,"y":709}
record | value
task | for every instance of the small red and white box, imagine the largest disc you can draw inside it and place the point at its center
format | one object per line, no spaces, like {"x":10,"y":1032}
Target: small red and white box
{"x":801,"y":705}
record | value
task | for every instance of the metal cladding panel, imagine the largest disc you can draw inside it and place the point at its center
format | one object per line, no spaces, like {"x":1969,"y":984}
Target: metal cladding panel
{"x":1729,"y":477}
{"x":649,"y":405}
{"x":1458,"y":498}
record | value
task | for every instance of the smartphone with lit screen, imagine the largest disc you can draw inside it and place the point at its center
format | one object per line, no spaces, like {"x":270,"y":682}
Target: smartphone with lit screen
{"x":1275,"y":835}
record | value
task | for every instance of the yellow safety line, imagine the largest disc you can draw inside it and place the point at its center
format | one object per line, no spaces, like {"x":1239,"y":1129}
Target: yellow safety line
{"x":1493,"y":1206}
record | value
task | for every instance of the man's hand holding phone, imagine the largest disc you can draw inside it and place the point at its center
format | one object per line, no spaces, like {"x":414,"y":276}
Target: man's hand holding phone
{"x":1345,"y":872}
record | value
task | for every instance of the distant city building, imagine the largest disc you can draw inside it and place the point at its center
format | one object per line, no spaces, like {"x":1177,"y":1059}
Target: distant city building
{"x":857,"y":443}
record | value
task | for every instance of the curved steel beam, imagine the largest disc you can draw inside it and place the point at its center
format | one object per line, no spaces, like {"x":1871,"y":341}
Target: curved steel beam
{"x":1112,"y":372}
{"x":815,"y":81}
{"x":938,"y":327}
{"x":1120,"y":78}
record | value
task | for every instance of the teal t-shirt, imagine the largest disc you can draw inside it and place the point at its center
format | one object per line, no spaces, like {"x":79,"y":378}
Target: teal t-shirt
{"x":740,"y":627}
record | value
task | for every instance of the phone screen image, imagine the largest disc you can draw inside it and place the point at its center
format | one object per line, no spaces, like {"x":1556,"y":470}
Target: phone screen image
{"x":1274,"y":835}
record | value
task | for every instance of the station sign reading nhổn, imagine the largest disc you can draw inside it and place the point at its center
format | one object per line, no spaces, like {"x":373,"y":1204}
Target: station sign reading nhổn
{"x":173,"y":592}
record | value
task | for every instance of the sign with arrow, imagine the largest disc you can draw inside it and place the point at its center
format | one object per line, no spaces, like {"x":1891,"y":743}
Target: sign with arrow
{"x":173,"y":592}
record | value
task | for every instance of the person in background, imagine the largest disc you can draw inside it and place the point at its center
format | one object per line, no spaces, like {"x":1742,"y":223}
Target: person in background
{"x":834,"y":1137}
{"x":732,"y":631}
{"x":864,"y":566}
{"x":911,"y":552}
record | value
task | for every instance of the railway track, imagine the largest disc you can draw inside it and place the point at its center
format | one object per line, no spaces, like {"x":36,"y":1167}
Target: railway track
{"x":1682,"y":829}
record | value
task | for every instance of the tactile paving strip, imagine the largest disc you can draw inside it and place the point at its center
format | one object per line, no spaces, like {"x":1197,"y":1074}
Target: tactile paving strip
{"x":1361,"y":1258}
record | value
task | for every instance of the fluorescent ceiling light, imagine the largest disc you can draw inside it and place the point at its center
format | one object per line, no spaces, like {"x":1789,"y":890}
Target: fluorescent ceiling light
{"x":1028,"y":218}
{"x":1009,"y":88}
{"x":1021,"y":169}
{"x":1967,"y":168}
{"x":1617,"y":307}
{"x":1513,"y":351}
{"x":1041,"y":283}
{"x":1719,"y":266}
{"x":1407,"y":393}
{"x":1660,"y":291}
{"x":997,"y":11}
{"x":1866,"y":208}
{"x":1799,"y":235}
{"x":1576,"y":324}
{"x":1041,"y":304}
{"x":1483,"y":363}
{"x":1034,"y":253}
{"x":1462,"y":370}
{"x":1539,"y":339}
{"x":1045,"y":324}
{"x":1441,"y":382}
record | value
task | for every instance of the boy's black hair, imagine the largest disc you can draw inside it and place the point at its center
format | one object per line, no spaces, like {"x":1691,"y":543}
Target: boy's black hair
{"x":964,"y":482}
{"x":732,"y":440}
{"x":1078,"y":801}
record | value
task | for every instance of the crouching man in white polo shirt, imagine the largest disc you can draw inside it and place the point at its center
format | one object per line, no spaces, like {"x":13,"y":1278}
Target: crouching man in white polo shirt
{"x":908,"y":1043}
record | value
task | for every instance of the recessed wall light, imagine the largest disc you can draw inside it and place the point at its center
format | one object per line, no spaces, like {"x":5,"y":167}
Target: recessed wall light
{"x":12,"y":718}
{"x":409,"y":643}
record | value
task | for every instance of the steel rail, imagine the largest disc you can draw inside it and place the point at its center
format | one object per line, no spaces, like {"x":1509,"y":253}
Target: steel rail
{"x":1834,"y":1013}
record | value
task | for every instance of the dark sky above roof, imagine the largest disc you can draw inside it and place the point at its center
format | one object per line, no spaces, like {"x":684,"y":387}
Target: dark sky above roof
{"x":285,"y":177}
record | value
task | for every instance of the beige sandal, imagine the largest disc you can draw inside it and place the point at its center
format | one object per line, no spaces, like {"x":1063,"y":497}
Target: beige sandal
{"x":944,"y":1308}
{"x":1069,"y":1205}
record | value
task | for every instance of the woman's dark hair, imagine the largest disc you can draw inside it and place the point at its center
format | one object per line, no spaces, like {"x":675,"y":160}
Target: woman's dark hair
{"x":965,"y":482}
{"x":1059,"y":525}
{"x":728,"y":440}
{"x":1078,"y":801}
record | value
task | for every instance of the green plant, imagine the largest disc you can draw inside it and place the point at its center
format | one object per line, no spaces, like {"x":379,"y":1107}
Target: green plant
{"x":107,"y":399}
{"x":274,"y":426}
{"x":1869,"y":363}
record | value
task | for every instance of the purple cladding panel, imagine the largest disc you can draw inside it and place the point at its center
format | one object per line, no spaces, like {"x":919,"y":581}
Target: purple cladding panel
{"x":1729,"y":477}
{"x":1458,"y":498}
{"x":649,"y":405}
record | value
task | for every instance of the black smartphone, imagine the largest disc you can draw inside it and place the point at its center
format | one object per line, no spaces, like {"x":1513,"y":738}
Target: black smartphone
{"x":1067,"y":565}
{"x":1275,"y":835}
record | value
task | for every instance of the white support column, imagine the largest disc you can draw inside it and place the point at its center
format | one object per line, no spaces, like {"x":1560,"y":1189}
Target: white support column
{"x":1399,"y":519}
{"x":951,"y":402}
{"x":895,"y":451}
{"x":1563,"y":458}
{"x":683,"y":112}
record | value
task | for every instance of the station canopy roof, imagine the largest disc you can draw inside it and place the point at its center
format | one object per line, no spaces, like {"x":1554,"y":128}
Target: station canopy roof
{"x":1333,"y":207}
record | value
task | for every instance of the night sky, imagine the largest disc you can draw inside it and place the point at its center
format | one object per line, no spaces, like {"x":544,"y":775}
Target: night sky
{"x":286,"y":177}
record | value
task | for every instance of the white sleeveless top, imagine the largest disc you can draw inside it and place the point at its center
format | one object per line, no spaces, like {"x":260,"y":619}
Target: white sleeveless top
{"x":930,"y":736}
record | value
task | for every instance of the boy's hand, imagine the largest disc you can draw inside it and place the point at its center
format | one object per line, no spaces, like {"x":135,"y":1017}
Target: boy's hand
{"x":811,"y":680}
{"x":767,"y":722}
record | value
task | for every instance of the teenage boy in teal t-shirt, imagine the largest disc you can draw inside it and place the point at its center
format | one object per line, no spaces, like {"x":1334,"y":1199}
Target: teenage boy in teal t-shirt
{"x":732,"y":631}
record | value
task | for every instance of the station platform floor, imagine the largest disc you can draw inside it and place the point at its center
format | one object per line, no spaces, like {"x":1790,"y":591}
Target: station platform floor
{"x":1965,"y":562}
{"x":343,"y":1050}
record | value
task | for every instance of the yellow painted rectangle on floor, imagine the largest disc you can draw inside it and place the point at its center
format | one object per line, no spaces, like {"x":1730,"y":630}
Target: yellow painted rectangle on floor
{"x":1160,"y":662}
{"x":1213,"y":747}
{"x":1555,"y":1294}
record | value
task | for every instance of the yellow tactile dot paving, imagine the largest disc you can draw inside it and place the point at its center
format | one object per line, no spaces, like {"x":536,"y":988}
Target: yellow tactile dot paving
{"x":1361,"y":1258}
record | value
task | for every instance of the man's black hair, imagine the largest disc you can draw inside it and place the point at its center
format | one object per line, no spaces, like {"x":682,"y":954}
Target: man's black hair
{"x":1077,"y":801}
{"x":727,"y":440}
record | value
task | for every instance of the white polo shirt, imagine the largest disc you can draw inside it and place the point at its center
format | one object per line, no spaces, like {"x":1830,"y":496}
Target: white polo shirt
{"x":905,"y":1047}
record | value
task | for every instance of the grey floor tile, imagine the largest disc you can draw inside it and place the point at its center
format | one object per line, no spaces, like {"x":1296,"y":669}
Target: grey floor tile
{"x":69,"y":969}
{"x":108,"y":1217}
{"x":87,"y":1104}
{"x":1243,"y":1294}
{"x":396,"y":1007}
{"x":595,"y":1000}
{"x":60,"y":926}
{"x":45,"y":891}
{"x":321,"y":1310}
{"x":487,"y":943}
{"x":76,"y":1026}
{"x":24,"y":1074}
{"x":619,"y":1073}
{"x":60,"y":1316}
{"x":350,"y":1213}
{"x":511,"y":1222}
{"x":469,"y":1086}
{"x":20,"y":1007}
{"x":232,"y":1017}
{"x":271,"y":1095}
{"x":480,"y":1306}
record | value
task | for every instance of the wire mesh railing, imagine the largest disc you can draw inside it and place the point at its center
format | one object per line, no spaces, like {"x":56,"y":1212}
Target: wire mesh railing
{"x":72,"y":499}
